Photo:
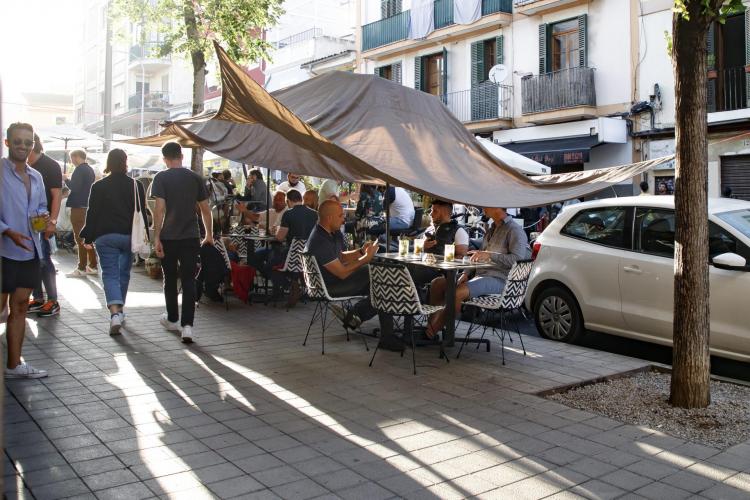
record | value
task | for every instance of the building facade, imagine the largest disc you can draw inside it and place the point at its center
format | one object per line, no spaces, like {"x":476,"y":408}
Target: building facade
{"x":728,"y":95}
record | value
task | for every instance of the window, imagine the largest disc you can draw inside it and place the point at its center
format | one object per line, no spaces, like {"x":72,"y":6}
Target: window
{"x":433,"y":66}
{"x":562,"y":45}
{"x":720,"y":241}
{"x":484,"y":55}
{"x":565,"y":45}
{"x":490,"y":54}
{"x":391,"y":72}
{"x":389,"y":8}
{"x":655,"y":231}
{"x":603,"y":226}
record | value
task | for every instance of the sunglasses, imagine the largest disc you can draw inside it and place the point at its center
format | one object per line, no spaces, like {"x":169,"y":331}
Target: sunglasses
{"x":27,"y":143}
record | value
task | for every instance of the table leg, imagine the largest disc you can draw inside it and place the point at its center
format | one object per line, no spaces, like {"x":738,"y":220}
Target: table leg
{"x":449,"y":330}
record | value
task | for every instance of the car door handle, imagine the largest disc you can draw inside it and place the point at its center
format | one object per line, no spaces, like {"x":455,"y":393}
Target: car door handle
{"x":632,"y":269}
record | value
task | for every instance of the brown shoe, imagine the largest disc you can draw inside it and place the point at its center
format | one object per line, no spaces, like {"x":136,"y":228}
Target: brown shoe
{"x":295,"y":292}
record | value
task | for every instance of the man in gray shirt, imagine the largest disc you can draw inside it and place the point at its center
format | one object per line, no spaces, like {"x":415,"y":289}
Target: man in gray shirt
{"x":504,"y":244}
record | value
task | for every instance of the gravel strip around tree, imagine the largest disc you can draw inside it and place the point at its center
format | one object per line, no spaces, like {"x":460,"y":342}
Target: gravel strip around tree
{"x":643,"y":399}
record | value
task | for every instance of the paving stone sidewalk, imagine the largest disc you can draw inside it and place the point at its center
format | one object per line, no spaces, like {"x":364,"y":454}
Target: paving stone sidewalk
{"x":248,"y":412}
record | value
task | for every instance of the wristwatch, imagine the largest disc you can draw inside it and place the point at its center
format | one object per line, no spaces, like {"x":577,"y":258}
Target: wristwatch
{"x":53,"y":221}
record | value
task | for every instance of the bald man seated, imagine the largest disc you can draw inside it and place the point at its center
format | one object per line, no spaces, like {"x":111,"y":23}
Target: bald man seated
{"x":345,"y":272}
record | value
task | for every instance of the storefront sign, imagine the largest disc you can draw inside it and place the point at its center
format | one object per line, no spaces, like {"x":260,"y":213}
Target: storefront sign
{"x":555,"y":158}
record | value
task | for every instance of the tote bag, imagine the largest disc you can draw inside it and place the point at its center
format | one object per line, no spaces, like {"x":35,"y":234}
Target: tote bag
{"x":139,"y":243}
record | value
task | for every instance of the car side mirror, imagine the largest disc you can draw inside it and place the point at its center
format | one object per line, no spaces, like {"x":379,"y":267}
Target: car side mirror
{"x":730,"y":262}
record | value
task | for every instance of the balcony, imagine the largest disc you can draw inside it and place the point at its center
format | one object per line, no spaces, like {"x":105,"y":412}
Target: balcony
{"x":482,"y":105}
{"x":396,"y":28}
{"x":538,"y":7}
{"x":559,"y":96}
{"x":151,"y":100}
{"x":728,"y":89}
{"x":145,"y":57}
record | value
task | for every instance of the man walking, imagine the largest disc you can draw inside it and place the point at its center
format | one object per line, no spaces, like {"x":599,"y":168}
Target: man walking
{"x":179,"y":192}
{"x":78,"y":201}
{"x":51,"y":174}
{"x":23,"y":215}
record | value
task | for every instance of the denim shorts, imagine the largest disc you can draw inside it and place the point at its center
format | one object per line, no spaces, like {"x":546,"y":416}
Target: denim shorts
{"x":485,"y":285}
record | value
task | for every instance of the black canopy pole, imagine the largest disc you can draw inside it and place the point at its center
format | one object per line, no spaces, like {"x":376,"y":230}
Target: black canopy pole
{"x":268,"y":199}
{"x":244,"y":170}
{"x":387,"y":219}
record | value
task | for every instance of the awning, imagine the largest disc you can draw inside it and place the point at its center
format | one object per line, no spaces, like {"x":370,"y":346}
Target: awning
{"x":363,"y":128}
{"x":555,"y":152}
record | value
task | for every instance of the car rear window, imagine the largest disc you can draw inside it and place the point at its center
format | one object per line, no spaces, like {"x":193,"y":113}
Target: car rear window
{"x":738,"y":219}
{"x":603,"y":226}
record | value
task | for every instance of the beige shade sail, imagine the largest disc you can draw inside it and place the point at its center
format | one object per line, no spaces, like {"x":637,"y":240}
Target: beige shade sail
{"x":363,"y":128}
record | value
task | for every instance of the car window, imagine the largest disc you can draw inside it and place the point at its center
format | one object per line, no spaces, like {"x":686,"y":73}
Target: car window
{"x":604,"y":226}
{"x":721,"y":241}
{"x":738,"y":219}
{"x":655,"y":231}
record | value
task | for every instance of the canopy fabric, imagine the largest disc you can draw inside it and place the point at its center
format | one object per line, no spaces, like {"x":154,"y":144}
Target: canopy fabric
{"x":515,"y":160}
{"x":363,"y":128}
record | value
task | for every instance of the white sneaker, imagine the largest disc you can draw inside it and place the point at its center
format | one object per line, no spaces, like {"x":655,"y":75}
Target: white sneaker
{"x":187,"y":334}
{"x":169,"y":325}
{"x":24,"y":370}
{"x":92,"y":271}
{"x":76,"y":273}
{"x":115,"y":323}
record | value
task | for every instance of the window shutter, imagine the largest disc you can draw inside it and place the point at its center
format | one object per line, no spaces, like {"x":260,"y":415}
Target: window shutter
{"x":378,"y":72}
{"x":418,"y":73}
{"x":711,"y":65}
{"x":542,"y":49}
{"x":499,"y":54}
{"x":582,"y":39}
{"x":383,"y":9}
{"x":389,"y":8}
{"x":396,"y":72}
{"x":477,"y":63}
{"x":444,"y":79}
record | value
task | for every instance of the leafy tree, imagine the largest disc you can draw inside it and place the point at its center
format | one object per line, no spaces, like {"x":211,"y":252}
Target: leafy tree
{"x":691,"y":20}
{"x":188,"y":27}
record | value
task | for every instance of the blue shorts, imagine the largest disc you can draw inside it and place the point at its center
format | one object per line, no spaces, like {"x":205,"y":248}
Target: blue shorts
{"x":485,"y":285}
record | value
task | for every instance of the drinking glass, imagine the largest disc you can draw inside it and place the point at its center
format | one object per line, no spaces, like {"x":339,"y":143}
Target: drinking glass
{"x":403,"y":247}
{"x":450,"y":253}
{"x":261,"y":231}
{"x":39,"y":221}
{"x":419,"y":246}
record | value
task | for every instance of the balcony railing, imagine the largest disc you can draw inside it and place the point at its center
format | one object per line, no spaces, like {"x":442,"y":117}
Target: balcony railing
{"x":486,"y":101}
{"x":148,"y":50}
{"x":728,"y":90}
{"x":396,"y":28}
{"x":156,"y":99}
{"x":567,"y":88}
{"x":298,"y":37}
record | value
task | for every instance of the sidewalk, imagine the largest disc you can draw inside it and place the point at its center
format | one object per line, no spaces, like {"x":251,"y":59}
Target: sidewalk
{"x":248,"y":412}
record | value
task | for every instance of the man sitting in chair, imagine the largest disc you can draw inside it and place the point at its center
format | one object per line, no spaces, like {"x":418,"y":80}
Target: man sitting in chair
{"x":443,"y":231}
{"x":345,"y":272}
{"x":504,"y":244}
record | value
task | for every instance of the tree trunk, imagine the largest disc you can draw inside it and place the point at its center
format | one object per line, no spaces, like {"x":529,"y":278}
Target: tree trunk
{"x":690,"y":359}
{"x":199,"y":79}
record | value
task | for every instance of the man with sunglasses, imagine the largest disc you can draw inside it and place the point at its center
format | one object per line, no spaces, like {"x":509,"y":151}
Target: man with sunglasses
{"x":23,"y":217}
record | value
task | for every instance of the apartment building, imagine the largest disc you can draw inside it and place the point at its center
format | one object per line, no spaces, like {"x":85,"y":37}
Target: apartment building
{"x":728,"y":95}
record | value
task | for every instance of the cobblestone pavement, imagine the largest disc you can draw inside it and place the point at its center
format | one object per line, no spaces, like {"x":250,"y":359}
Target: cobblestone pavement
{"x":248,"y":412}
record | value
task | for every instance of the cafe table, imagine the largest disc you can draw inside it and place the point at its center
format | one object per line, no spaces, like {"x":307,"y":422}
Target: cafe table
{"x":450,"y":271}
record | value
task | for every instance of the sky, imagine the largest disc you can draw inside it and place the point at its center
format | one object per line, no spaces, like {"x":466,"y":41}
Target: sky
{"x":40,"y":42}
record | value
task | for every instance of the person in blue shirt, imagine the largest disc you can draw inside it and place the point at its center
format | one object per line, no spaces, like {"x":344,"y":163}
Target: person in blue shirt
{"x":23,"y":217}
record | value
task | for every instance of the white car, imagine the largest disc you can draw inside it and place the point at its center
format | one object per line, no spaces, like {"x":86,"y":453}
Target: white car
{"x":608,"y":266}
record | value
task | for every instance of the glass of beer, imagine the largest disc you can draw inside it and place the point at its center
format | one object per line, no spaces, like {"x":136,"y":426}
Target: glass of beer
{"x":261,"y":231}
{"x":39,"y":221}
{"x":403,"y":247}
{"x":419,"y":247}
{"x":450,"y":253}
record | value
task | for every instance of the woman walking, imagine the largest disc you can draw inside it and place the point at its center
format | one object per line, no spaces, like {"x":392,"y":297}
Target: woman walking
{"x":109,"y":223}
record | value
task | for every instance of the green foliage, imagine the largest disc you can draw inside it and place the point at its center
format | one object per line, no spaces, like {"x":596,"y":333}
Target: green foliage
{"x":237,"y":24}
{"x":715,"y":10}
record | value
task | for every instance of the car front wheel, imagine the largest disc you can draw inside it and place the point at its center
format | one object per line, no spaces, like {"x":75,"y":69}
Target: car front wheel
{"x":557,"y":315}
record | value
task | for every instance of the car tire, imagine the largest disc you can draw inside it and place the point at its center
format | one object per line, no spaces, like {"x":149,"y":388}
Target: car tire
{"x":557,"y":315}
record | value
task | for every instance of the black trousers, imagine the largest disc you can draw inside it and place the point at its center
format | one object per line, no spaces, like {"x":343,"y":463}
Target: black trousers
{"x":180,"y":256}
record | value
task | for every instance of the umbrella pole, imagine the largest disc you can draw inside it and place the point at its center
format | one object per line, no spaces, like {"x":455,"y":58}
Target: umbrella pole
{"x":387,"y":219}
{"x":268,"y":199}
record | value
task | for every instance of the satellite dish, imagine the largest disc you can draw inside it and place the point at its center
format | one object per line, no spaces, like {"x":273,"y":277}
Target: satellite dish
{"x":498,"y":73}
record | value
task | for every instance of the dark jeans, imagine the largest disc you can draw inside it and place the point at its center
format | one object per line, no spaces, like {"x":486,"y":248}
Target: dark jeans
{"x":48,"y":276}
{"x":180,"y":256}
{"x":358,"y":283}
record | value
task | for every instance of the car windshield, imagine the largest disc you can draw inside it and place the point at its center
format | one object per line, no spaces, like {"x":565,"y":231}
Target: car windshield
{"x":738,"y":219}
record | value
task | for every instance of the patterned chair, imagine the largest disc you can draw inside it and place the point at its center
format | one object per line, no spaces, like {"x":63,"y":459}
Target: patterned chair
{"x":392,"y":291}
{"x":219,"y":245}
{"x":292,"y":266}
{"x":317,"y":291}
{"x":501,"y":305}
